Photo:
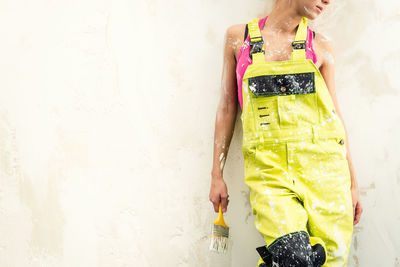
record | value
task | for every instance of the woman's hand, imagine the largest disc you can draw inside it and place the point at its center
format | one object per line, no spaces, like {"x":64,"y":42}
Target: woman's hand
{"x":219,"y":193}
{"x":357,"y":208}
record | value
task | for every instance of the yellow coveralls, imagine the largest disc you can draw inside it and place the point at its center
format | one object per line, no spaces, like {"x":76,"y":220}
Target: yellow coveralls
{"x":295,"y":160}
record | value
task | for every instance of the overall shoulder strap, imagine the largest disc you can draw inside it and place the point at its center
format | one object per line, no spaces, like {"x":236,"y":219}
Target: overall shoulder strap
{"x":300,"y":41}
{"x":256,"y":41}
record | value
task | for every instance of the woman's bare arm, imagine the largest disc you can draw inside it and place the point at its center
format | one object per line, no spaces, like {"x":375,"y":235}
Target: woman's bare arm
{"x":225,"y":120}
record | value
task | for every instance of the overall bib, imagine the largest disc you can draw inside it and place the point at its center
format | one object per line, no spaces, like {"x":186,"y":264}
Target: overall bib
{"x":295,"y":159}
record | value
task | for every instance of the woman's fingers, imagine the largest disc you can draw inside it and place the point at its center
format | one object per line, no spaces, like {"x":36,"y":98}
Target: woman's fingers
{"x":357,"y":208}
{"x":216,"y":206}
{"x":219,"y":194}
{"x":358,"y":211}
{"x":224,"y":203}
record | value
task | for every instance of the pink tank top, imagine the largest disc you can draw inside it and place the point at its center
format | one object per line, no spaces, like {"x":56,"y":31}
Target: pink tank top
{"x":244,"y":59}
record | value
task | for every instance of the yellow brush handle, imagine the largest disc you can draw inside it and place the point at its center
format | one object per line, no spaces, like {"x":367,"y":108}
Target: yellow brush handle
{"x":220,"y":219}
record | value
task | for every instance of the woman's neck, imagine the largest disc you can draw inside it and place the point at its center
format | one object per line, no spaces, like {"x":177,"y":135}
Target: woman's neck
{"x":283,"y":18}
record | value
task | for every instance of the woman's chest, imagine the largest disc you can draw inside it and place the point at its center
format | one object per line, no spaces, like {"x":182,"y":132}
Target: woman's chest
{"x":280,"y":50}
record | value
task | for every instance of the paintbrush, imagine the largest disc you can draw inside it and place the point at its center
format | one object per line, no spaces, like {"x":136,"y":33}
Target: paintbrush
{"x":219,"y":234}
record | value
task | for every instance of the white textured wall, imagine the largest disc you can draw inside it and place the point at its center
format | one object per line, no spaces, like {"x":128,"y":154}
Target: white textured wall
{"x":107,"y":115}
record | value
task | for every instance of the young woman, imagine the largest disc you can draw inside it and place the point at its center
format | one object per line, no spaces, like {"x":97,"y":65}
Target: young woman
{"x":298,"y":167}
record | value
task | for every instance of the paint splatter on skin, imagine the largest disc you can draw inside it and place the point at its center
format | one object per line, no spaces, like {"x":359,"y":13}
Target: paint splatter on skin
{"x":325,"y":38}
{"x":222,"y":161}
{"x":308,"y":11}
{"x":225,"y":104}
{"x":280,"y":51}
{"x":329,"y":57}
{"x":236,"y":44}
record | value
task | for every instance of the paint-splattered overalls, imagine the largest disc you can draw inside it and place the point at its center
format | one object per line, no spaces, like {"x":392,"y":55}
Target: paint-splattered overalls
{"x":295,"y":160}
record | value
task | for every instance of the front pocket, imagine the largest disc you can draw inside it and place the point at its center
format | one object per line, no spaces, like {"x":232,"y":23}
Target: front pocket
{"x":272,"y":156}
{"x":284,"y":101}
{"x":283,"y":84}
{"x":272,"y":165}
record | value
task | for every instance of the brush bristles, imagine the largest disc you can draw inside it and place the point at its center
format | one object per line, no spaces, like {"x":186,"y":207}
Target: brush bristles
{"x":219,"y":244}
{"x":219,"y":238}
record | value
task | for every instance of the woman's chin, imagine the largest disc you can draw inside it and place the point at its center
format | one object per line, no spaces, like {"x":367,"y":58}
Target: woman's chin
{"x":311,"y":16}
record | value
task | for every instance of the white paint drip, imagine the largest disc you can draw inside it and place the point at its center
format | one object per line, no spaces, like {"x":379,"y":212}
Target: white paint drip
{"x":329,"y":57}
{"x":222,"y":161}
{"x":306,"y":9}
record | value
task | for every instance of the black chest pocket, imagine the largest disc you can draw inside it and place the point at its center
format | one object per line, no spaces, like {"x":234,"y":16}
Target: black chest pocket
{"x":283,"y":84}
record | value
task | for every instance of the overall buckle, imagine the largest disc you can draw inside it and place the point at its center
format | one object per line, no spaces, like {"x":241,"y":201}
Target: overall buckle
{"x":256,"y":44}
{"x":301,"y":44}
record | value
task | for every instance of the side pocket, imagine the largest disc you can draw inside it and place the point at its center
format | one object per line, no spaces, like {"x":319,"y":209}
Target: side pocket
{"x":249,"y":153}
{"x":334,"y":149}
{"x":250,"y":171}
